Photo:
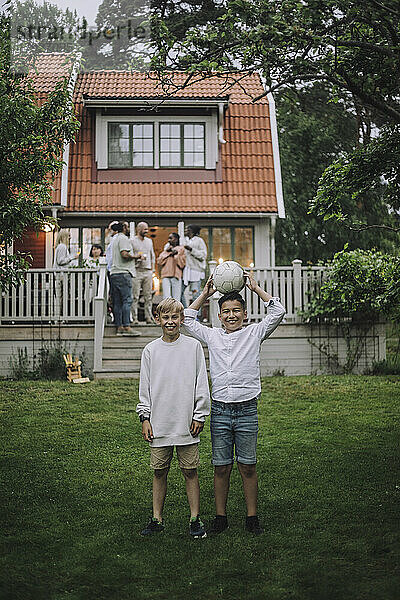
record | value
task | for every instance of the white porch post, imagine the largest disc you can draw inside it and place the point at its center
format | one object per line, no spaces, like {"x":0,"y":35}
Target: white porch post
{"x":262,"y":244}
{"x":213,"y":301}
{"x":181,"y":231}
{"x":272,"y":241}
{"x":100,"y":303}
{"x":49,"y":249}
{"x":297,"y":288}
{"x":132,"y":229}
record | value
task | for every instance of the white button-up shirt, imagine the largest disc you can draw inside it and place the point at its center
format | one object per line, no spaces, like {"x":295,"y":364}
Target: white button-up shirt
{"x":235,"y":357}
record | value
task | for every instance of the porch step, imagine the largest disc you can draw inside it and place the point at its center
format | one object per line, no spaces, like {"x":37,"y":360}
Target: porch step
{"x":151,"y":331}
{"x":117,"y":374}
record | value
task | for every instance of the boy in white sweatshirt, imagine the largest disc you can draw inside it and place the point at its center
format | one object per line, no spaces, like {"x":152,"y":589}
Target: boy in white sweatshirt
{"x":174,"y":401}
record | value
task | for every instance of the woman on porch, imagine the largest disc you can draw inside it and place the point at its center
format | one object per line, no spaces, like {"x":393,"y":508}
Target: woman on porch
{"x":172,"y":261}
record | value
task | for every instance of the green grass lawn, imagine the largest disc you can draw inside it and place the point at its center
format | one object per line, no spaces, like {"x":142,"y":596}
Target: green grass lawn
{"x":76,"y":490}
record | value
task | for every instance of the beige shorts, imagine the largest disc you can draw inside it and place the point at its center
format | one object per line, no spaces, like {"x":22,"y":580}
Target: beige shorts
{"x":188,"y":456}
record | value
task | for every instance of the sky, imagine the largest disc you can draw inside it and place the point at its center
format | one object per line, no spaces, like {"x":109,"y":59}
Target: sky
{"x":87,"y":9}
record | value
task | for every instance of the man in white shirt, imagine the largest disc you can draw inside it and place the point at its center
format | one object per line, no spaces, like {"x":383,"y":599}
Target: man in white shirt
{"x":144,"y":273}
{"x":234,"y":353}
{"x":111,"y":231}
{"x":122,"y":275}
{"x":195,"y":268}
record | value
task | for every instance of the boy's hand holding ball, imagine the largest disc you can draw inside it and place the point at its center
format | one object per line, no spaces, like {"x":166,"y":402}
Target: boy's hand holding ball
{"x":209,"y":288}
{"x":251,"y":283}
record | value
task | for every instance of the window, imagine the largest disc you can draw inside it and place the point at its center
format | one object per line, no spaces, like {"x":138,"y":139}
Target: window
{"x":130,"y":145}
{"x":73,"y":244}
{"x":90,"y":236}
{"x":244,"y":252}
{"x":182,"y":145}
{"x":222,"y":248}
{"x":230,"y":243}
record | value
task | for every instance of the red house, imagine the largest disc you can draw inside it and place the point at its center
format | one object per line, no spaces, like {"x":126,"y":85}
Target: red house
{"x":205,"y":154}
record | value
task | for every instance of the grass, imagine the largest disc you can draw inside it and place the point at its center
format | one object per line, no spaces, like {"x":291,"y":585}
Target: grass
{"x":76,"y":490}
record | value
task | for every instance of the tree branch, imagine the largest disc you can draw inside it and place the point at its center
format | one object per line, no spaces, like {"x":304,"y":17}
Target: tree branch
{"x":390,"y":10}
{"x":381,"y":106}
{"x":388,"y":51}
{"x":365,"y":227}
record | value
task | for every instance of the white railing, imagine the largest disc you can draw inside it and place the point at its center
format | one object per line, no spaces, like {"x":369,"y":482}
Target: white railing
{"x":294,"y":285}
{"x":49,"y":295}
{"x":79,"y":295}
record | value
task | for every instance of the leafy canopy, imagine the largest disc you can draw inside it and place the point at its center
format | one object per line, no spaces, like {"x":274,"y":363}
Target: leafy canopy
{"x":353,"y":46}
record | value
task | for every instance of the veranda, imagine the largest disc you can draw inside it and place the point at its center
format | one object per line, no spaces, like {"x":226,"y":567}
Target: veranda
{"x":70,"y":307}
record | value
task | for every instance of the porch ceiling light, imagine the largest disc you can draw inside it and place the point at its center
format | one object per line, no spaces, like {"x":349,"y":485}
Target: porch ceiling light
{"x":48,"y":227}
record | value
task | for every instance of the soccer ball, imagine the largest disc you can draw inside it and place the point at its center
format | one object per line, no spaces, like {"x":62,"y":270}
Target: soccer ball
{"x":228,"y":276}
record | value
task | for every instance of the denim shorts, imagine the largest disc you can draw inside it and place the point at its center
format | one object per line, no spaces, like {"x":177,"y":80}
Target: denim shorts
{"x":234,"y":425}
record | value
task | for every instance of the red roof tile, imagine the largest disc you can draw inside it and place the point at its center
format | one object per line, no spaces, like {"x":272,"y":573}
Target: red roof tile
{"x":128,"y":85}
{"x":48,"y":69}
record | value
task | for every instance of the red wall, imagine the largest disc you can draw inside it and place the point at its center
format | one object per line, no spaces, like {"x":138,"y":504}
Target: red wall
{"x":35,"y":244}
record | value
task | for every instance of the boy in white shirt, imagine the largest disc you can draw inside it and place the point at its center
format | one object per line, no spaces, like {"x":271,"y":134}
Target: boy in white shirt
{"x":174,"y":401}
{"x":235,"y":377}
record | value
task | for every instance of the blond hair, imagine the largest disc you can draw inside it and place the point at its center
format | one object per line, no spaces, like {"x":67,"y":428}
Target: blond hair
{"x":62,"y":237}
{"x":169,"y":305}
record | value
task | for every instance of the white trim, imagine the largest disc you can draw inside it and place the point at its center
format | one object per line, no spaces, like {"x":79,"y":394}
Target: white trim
{"x":275,"y":152}
{"x":182,"y":215}
{"x":64,"y":176}
{"x":210,"y":122}
{"x":152,"y":102}
{"x":64,"y":172}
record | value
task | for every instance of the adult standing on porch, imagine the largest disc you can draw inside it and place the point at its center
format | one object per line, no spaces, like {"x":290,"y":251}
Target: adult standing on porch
{"x":172,"y":261}
{"x":122,"y":273}
{"x":111,"y":231}
{"x":62,"y":257}
{"x":195,"y":269}
{"x":144,"y":273}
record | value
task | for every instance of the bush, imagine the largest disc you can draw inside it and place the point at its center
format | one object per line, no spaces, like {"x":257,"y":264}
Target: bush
{"x":389,"y":366}
{"x":48,"y":363}
{"x":362,"y":286}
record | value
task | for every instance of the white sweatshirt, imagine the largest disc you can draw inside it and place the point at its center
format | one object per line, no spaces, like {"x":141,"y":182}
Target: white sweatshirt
{"x":173,"y":389}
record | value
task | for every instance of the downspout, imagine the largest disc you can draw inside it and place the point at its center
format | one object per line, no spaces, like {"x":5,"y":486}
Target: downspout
{"x":221,"y":123}
{"x":64,"y":173}
{"x":275,"y":153}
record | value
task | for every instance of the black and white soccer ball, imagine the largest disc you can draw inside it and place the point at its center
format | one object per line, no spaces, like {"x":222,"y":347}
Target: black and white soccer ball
{"x":228,"y":276}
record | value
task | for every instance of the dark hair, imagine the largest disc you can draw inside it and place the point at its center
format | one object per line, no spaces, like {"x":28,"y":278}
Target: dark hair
{"x":176,"y":235}
{"x":118,"y":227}
{"x":195,"y":228}
{"x":96,"y":246}
{"x":234,"y":295}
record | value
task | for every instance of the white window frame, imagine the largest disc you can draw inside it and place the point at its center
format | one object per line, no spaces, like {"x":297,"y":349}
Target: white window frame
{"x":211,"y":135}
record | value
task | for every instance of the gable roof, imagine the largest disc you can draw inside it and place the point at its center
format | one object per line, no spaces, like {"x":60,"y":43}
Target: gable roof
{"x":248,"y":177}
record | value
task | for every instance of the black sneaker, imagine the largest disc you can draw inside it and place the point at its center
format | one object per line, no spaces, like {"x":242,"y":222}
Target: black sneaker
{"x":153,"y":526}
{"x":219,"y":525}
{"x":196,"y":528}
{"x":253,"y":525}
